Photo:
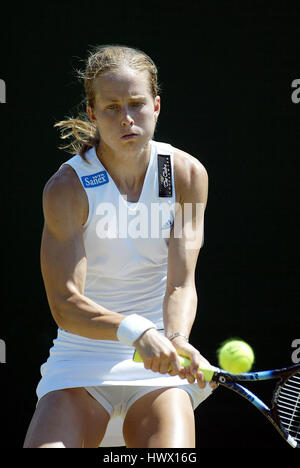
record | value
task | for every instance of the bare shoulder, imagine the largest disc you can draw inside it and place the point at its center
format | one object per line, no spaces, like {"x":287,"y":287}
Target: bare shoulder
{"x":64,"y":197}
{"x":191,"y":177}
{"x":61,"y":182}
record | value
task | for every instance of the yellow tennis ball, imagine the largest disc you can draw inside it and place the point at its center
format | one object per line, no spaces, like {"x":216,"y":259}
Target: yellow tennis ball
{"x":236,"y":356}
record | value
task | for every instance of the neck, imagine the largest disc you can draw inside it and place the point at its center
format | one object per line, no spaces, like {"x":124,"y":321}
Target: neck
{"x":126,"y":169}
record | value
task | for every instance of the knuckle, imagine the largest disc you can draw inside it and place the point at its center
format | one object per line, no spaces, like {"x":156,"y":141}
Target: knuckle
{"x":164,"y":355}
{"x":173,"y":354}
{"x":147,"y":363}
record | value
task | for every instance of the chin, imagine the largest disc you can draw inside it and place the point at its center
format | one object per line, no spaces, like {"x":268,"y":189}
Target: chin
{"x":134,"y":145}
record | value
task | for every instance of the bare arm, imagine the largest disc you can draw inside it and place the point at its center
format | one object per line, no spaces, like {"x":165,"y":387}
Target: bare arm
{"x":63,"y":261}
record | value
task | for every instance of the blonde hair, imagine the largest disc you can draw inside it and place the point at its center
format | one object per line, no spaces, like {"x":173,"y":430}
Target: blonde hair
{"x":83,"y":133}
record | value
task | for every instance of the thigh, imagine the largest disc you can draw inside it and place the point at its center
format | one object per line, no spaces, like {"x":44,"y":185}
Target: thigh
{"x":163,"y":418}
{"x":68,"y":418}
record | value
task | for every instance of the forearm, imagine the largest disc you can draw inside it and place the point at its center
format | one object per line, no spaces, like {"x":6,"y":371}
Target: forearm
{"x":179,"y":310}
{"x":82,"y":316}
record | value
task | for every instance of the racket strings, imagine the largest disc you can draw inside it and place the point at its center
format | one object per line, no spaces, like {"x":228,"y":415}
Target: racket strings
{"x":288,"y":406}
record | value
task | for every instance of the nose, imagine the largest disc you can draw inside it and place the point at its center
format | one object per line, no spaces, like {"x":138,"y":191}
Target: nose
{"x":126,"y":118}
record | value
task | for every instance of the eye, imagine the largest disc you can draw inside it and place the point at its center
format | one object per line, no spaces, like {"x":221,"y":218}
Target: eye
{"x":112,"y":106}
{"x":137,"y":104}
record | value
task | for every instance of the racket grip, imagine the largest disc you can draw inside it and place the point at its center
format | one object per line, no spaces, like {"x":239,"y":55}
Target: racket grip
{"x":208,"y":373}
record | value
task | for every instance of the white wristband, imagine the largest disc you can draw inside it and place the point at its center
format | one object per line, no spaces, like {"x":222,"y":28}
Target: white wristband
{"x":132,"y":327}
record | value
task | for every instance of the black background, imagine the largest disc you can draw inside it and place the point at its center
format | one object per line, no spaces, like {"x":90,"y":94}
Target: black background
{"x":226,"y":72}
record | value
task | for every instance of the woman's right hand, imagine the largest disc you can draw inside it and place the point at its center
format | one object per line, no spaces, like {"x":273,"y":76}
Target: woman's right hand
{"x":157,"y":352}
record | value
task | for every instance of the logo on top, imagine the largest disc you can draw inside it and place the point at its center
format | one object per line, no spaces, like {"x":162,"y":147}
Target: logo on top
{"x":164,"y":175}
{"x":94,"y":180}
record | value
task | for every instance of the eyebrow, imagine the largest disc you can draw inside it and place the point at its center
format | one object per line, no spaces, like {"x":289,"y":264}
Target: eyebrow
{"x":132,"y":97}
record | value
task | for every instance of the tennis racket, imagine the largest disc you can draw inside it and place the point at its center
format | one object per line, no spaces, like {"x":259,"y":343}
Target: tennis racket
{"x":284,"y":410}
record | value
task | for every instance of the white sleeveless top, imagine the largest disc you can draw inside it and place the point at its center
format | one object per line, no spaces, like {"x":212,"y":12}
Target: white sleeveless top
{"x":125,"y":273}
{"x":126,"y":252}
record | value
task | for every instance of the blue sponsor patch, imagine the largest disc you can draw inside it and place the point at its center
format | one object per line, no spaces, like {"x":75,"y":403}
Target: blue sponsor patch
{"x":93,"y":180}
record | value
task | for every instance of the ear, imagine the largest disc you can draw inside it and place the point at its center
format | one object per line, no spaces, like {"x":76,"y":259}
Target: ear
{"x":156,"y":106}
{"x":91,"y":113}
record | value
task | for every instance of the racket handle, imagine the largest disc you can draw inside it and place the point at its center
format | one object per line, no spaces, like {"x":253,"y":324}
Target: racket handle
{"x":208,"y":373}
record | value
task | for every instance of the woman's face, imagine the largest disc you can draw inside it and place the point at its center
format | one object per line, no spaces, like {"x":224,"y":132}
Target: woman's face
{"x":124,"y":110}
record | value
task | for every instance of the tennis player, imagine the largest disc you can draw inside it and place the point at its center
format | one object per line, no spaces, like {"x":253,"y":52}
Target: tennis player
{"x":117,"y":277}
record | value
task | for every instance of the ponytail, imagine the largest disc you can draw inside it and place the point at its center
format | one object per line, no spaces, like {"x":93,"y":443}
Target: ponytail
{"x":84,"y":135}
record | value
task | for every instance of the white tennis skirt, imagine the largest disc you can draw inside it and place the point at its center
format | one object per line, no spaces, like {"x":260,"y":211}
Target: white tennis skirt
{"x":76,"y":361}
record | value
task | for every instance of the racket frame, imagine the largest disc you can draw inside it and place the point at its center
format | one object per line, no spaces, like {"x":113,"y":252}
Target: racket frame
{"x":230,"y":381}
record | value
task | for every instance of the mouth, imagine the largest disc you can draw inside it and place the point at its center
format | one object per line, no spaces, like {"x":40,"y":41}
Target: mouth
{"x":129,"y":136}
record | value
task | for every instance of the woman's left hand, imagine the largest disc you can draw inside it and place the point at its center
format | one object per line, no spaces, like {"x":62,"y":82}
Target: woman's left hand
{"x":191,"y":373}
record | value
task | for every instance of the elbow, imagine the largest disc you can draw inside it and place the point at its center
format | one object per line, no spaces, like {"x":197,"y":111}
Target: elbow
{"x":60,"y":309}
{"x":58,"y":313}
{"x":188,"y":288}
{"x":173,"y":288}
